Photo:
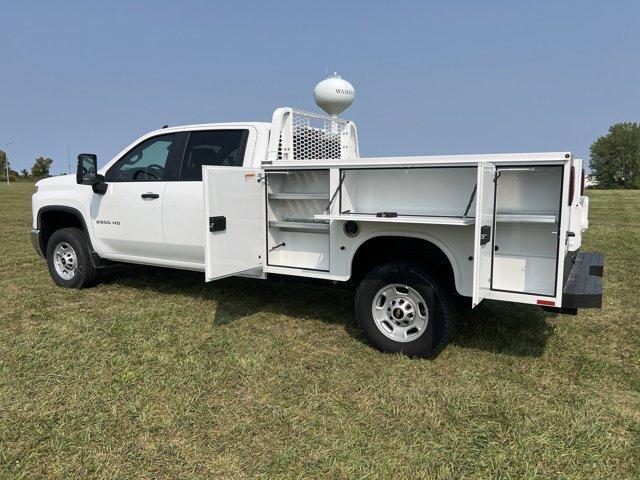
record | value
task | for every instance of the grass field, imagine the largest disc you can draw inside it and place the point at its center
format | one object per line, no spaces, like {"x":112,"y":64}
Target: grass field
{"x":155,"y":374}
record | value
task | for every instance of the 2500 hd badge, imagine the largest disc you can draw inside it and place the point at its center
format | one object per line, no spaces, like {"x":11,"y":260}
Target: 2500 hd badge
{"x":107,"y":222}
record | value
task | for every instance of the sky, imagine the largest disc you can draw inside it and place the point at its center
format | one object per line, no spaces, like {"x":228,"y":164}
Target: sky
{"x":431,"y":77}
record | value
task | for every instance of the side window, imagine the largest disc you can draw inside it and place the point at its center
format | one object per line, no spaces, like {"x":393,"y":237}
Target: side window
{"x":146,"y":162}
{"x":216,"y":147}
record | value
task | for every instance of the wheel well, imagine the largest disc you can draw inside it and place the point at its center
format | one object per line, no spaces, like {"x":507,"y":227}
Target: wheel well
{"x":51,"y":220}
{"x":379,"y":250}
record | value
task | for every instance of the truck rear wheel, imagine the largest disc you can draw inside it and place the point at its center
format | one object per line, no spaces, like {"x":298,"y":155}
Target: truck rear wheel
{"x":69,"y":260}
{"x":402,"y":309}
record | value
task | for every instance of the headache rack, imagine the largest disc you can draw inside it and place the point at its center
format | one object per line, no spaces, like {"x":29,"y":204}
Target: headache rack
{"x":299,"y":135}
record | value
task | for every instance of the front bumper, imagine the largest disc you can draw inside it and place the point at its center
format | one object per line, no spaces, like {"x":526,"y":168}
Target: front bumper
{"x":35,"y":240}
{"x":583,"y":288}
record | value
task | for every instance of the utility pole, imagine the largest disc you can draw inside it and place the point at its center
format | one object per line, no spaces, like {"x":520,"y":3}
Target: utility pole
{"x":6,"y":159}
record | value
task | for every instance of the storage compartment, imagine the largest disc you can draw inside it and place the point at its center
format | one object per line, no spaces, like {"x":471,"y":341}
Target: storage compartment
{"x":294,"y":237}
{"x":526,"y":229}
{"x":425,"y":192}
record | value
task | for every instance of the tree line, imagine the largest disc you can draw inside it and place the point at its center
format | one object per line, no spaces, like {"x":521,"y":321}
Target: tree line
{"x":615,"y":157}
{"x":40,"y":169}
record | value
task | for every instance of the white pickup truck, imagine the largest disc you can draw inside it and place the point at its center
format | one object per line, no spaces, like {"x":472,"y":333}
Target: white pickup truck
{"x":294,"y":197}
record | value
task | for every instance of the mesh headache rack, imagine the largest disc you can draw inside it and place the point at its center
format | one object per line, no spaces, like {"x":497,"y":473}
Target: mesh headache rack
{"x":299,"y":135}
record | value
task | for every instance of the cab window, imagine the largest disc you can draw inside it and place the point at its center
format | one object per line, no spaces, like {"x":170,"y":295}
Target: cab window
{"x":213,"y":147}
{"x":146,"y":162}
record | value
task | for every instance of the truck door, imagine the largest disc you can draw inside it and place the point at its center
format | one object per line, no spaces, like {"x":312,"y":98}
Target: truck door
{"x":127,"y":219}
{"x":235,"y":222}
{"x":483,"y":237}
{"x":183,"y":203}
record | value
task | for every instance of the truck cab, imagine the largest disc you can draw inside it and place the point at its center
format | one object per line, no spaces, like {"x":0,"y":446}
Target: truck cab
{"x":152,"y":209}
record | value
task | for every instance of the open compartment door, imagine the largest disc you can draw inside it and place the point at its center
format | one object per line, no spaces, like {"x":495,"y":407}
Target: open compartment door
{"x":483,"y":237}
{"x":235,"y":226}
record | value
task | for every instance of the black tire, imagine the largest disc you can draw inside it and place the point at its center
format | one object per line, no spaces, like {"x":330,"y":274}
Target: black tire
{"x":85,"y":274}
{"x":439,"y":327}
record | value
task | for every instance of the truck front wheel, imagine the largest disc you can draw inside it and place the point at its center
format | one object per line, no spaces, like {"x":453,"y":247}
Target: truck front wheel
{"x":69,"y":260}
{"x":402,"y":309}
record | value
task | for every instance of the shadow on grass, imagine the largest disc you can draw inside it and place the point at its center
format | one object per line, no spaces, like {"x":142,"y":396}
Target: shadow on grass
{"x":498,"y":327}
{"x":505,"y":328}
{"x":238,"y":297}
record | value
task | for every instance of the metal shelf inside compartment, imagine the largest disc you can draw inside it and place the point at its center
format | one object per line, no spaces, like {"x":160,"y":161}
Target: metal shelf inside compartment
{"x":301,"y":224}
{"x":299,"y":196}
{"x":362,"y":217}
{"x":546,"y":217}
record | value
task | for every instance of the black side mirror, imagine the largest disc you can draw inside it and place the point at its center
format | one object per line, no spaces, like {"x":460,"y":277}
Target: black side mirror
{"x":87,"y":169}
{"x":87,"y":173}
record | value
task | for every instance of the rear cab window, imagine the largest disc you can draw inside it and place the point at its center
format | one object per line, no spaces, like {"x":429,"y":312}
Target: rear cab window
{"x":223,"y":148}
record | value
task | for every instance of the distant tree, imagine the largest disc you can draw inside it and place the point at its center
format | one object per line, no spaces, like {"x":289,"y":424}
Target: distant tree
{"x":24,"y":173}
{"x":615,"y":157}
{"x":41,"y":167}
{"x":3,"y":165}
{"x":3,"y":168}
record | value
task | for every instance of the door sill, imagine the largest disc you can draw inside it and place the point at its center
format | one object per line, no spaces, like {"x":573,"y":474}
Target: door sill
{"x":157,"y":262}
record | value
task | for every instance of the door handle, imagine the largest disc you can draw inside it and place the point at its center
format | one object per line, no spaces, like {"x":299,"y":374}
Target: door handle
{"x":150,"y":195}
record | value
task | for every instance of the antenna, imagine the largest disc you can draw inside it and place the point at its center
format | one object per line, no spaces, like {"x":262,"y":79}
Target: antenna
{"x":334,"y":94}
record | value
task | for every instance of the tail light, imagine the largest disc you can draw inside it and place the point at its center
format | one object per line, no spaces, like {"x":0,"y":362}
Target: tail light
{"x":582,"y":185}
{"x":572,"y":185}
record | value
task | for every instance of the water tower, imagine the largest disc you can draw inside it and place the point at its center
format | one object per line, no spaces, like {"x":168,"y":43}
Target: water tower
{"x":334,"y":94}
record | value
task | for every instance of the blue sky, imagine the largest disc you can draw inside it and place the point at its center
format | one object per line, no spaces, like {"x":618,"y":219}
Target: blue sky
{"x":430,"y":77}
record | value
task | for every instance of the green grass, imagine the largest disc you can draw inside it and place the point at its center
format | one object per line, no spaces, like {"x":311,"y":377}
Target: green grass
{"x":154,"y":373}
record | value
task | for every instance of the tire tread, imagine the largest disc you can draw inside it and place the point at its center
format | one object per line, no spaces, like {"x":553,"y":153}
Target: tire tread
{"x":87,"y":274}
{"x":403,"y":268}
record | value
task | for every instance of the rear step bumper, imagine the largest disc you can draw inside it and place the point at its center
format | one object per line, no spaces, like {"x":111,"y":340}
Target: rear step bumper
{"x":583,"y":288}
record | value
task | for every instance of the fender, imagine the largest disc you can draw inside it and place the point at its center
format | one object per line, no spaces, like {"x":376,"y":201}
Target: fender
{"x":96,"y":260}
{"x":455,"y":267}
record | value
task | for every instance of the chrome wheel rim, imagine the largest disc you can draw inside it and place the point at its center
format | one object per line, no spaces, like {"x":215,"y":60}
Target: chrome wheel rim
{"x":400,"y":312}
{"x":65,"y":260}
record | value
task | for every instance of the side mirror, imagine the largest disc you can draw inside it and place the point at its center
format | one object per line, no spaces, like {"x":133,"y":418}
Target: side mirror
{"x":87,"y":173}
{"x":87,"y":169}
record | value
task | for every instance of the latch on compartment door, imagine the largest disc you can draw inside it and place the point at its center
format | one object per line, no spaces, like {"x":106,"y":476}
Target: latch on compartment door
{"x":485,"y":234}
{"x":217,"y":224}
